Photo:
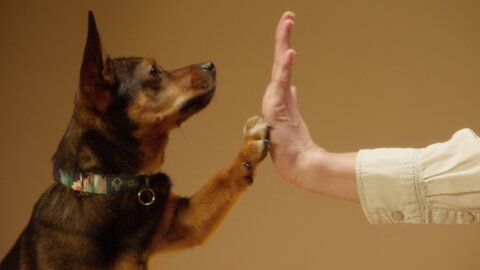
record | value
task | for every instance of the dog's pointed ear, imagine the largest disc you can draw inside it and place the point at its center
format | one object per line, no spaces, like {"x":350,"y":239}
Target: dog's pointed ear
{"x":96,"y":74}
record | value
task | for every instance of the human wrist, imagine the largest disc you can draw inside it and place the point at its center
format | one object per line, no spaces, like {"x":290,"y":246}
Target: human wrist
{"x":329,"y":174}
{"x":313,"y":167}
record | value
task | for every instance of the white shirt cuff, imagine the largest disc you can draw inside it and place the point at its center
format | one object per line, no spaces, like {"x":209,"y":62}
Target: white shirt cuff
{"x":437,"y":184}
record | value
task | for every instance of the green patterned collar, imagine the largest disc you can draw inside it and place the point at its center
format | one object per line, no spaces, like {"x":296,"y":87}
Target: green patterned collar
{"x":106,"y":184}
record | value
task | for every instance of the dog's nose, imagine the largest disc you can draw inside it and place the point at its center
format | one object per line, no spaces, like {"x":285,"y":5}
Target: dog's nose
{"x":209,"y":66}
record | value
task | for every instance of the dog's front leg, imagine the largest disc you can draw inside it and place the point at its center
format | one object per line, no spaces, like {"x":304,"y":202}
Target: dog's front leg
{"x":194,"y":219}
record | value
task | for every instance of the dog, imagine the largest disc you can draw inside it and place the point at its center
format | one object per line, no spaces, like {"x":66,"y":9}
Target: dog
{"x":111,"y":206}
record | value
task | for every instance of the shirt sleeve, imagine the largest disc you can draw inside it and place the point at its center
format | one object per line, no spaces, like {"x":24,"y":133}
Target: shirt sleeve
{"x":436,"y":184}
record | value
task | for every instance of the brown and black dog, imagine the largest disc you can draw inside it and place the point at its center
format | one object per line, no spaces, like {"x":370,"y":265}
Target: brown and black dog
{"x":111,"y":207}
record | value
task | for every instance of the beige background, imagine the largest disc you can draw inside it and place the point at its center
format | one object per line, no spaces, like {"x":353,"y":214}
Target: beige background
{"x":370,"y":74}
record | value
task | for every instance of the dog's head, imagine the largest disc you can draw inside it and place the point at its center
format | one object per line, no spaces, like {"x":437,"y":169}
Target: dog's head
{"x":135,"y":97}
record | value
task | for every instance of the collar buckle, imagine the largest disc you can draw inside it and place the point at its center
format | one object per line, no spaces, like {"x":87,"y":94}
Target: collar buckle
{"x":146,"y":196}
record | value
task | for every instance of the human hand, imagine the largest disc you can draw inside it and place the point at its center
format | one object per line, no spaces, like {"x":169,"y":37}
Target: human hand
{"x":291,"y":141}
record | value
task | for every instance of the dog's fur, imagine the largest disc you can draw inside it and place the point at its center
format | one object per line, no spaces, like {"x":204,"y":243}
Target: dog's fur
{"x":124,"y":111}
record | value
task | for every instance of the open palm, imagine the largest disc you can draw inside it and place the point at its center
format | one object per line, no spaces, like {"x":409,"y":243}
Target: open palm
{"x":290,"y":137}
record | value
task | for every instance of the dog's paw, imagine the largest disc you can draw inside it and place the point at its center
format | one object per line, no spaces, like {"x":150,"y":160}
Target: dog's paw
{"x":257,"y":142}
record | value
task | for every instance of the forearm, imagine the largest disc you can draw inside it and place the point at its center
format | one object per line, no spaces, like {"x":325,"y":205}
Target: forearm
{"x":329,"y":174}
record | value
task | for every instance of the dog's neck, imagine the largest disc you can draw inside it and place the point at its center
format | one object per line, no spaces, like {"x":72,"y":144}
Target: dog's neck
{"x":94,"y":151}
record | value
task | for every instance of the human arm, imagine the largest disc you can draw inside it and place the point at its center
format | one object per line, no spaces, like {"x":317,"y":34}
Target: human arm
{"x":436,"y":184}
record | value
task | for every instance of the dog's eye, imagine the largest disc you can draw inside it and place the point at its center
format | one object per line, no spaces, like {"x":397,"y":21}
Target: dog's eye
{"x":154,"y":71}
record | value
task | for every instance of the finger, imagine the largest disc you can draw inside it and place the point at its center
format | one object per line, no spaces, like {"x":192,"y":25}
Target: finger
{"x":288,"y":15}
{"x":282,"y":43}
{"x":283,"y":68}
{"x":283,"y":34}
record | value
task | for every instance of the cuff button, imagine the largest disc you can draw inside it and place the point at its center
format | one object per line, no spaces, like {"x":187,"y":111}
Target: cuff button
{"x":467,"y":217}
{"x":397,"y":216}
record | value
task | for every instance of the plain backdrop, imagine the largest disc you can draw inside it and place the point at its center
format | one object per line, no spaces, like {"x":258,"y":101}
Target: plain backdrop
{"x":370,"y":74}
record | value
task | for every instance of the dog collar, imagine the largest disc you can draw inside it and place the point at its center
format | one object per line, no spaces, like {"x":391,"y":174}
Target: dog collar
{"x":106,"y":184}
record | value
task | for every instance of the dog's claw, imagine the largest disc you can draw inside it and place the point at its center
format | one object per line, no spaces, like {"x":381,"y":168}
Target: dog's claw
{"x":247,"y":165}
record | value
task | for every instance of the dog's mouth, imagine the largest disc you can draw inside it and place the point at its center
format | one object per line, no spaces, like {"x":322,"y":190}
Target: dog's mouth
{"x":196,"y":103}
{"x":207,"y":86}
